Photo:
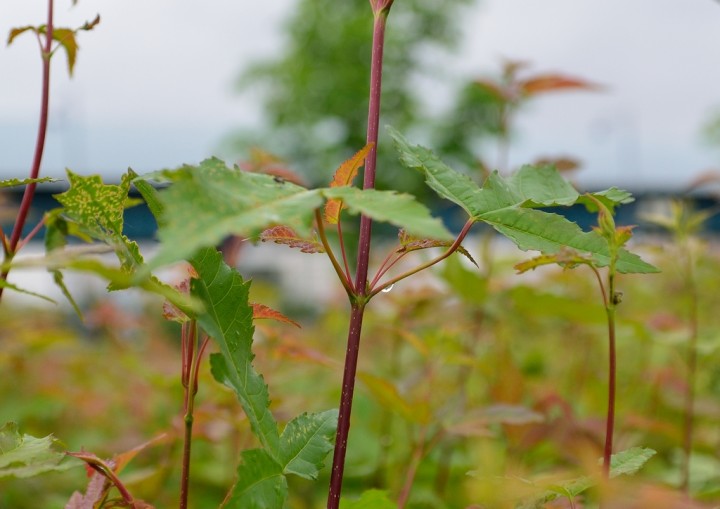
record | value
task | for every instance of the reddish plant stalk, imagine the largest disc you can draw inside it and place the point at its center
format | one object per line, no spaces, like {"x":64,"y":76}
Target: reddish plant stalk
{"x":691,"y":374}
{"x":29,"y":193}
{"x":359,"y":299}
{"x":612,"y":372}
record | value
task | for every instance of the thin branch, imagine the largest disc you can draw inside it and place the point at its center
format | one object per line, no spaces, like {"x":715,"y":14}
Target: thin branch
{"x":455,"y":245}
{"x":338,"y":269}
{"x":342,"y":249}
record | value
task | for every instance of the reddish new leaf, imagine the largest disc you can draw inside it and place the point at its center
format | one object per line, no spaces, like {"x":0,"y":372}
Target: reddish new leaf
{"x":344,"y":176}
{"x":410,"y":243}
{"x":172,"y":312}
{"x":553,"y":82}
{"x":287,"y":236}
{"x":261,"y":311}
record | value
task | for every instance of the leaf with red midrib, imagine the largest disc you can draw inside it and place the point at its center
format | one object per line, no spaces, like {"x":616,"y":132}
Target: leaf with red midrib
{"x":261,"y":311}
{"x":287,"y":236}
{"x":344,"y":176}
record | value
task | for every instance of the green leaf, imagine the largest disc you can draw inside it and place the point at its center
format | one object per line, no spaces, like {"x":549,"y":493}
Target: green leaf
{"x":210,"y":201}
{"x":611,"y":198}
{"x":25,"y":456}
{"x":532,"y":229}
{"x":371,"y":499}
{"x":150,"y":195}
{"x":98,"y":209}
{"x":23,"y":182}
{"x":401,"y":210}
{"x":228,"y":320}
{"x":260,"y":485}
{"x":10,"y":286}
{"x":628,"y":462}
{"x":446,"y":182}
{"x":305,"y":443}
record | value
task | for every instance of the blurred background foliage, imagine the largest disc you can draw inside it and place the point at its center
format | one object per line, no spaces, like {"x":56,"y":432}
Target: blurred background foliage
{"x":314,"y":94}
{"x":473,"y":385}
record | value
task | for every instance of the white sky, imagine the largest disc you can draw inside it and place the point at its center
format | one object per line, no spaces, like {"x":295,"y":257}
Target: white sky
{"x":153,"y":85}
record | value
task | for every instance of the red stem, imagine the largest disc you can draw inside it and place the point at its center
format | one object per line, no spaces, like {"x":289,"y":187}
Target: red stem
{"x":348,"y":388}
{"x":29,"y":193}
{"x":359,"y":299}
{"x":612,"y":372}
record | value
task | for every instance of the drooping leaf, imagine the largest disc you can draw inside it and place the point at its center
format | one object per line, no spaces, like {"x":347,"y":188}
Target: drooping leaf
{"x":401,"y":210}
{"x":210,"y":201}
{"x":228,"y":320}
{"x":344,"y":176}
{"x":287,"y":236}
{"x":66,"y":38}
{"x":95,"y":492}
{"x":370,"y":499}
{"x":306,"y":441}
{"x":19,"y":30}
{"x":22,"y":455}
{"x":260,"y":484}
{"x":22,"y":182}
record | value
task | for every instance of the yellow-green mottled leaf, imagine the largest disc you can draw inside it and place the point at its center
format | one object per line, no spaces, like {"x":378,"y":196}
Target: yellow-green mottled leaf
{"x":23,"y":182}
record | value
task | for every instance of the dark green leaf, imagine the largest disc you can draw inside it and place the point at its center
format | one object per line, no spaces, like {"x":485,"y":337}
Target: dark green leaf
{"x":228,"y":320}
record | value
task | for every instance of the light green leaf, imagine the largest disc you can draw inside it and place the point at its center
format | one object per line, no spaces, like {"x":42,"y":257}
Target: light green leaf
{"x":305,"y":443}
{"x":210,"y":201}
{"x":260,"y":485}
{"x":611,"y":198}
{"x":371,"y":499}
{"x":228,"y":320}
{"x":446,"y":182}
{"x":541,"y":231}
{"x":25,"y":456}
{"x":10,"y":286}
{"x":401,"y":210}
{"x":628,"y":462}
{"x":23,"y":182}
{"x":150,"y":195}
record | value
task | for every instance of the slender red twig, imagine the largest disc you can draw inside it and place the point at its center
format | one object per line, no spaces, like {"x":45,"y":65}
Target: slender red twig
{"x":29,"y":193}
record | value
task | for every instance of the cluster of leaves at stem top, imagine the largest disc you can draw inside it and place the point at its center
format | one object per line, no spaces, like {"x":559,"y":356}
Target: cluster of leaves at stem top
{"x":511,"y":206}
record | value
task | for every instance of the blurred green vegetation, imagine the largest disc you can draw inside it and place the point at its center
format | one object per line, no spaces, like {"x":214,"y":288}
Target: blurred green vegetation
{"x":462,"y":371}
{"x":314,"y":95}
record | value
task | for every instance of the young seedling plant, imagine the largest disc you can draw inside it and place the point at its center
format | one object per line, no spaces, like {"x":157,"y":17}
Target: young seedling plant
{"x":207,"y":202}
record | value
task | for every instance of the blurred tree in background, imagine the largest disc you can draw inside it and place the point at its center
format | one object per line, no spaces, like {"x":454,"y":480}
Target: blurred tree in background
{"x":314,"y":95}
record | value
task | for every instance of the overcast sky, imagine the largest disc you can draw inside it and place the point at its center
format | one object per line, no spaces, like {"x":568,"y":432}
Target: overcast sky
{"x":153,"y":85}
